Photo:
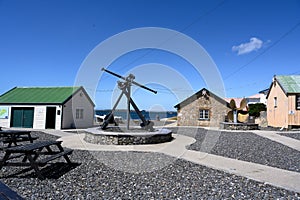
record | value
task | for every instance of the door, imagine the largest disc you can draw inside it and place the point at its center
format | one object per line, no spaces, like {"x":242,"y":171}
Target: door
{"x":22,"y":117}
{"x":50,"y":117}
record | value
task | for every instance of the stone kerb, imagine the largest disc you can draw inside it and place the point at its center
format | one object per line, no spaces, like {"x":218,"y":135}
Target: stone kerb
{"x":101,"y":137}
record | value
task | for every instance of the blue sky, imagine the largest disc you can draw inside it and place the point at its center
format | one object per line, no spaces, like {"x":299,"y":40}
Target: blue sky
{"x":44,"y":43}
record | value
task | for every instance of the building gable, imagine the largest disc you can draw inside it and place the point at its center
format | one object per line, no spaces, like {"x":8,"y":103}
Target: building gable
{"x":199,"y":94}
{"x":82,"y":91}
{"x":204,"y":108}
{"x":288,"y":84}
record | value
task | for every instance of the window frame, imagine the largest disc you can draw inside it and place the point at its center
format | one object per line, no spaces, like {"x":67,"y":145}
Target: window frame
{"x":275,"y":102}
{"x":79,"y":113}
{"x":297,"y":102}
{"x":204,"y":114}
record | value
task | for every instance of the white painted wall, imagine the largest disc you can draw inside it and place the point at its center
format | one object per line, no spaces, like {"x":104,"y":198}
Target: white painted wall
{"x":58,"y":117}
{"x":263,"y":99}
{"x":39,"y":117}
{"x":79,"y":100}
{"x":67,"y":116}
{"x":6,"y":122}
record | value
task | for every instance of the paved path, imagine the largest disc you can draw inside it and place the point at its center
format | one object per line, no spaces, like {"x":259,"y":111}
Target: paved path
{"x":58,"y":133}
{"x":287,"y":141}
{"x":177,"y":148}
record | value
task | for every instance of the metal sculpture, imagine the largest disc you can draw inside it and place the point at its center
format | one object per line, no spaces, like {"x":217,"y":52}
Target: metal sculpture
{"x":125,"y":87}
{"x":238,"y":114}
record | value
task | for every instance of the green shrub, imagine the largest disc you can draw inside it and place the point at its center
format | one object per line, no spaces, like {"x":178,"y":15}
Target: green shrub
{"x":255,"y":109}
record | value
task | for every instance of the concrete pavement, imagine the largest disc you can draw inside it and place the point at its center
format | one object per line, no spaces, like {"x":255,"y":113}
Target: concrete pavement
{"x":177,"y":148}
{"x":287,"y":141}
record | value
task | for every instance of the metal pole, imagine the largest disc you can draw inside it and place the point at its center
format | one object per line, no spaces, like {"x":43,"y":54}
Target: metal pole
{"x":128,"y":105}
{"x":235,"y":116}
{"x":132,"y":81}
{"x":105,"y":123}
{"x":138,"y":111}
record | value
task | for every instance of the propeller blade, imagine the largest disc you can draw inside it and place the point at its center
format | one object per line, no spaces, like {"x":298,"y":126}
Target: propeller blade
{"x":232,"y":104}
{"x":230,"y":115}
{"x":243,"y":117}
{"x":243,"y":104}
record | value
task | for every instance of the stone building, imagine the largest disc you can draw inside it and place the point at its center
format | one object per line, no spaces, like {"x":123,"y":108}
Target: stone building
{"x":203,"y":108}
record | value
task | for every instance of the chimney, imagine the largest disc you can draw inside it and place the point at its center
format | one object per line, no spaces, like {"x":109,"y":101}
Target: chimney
{"x":274,"y":80}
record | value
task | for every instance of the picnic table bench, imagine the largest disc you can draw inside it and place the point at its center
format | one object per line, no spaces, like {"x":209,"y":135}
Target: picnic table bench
{"x":35,"y":155}
{"x":8,"y":194}
{"x":11,"y":137}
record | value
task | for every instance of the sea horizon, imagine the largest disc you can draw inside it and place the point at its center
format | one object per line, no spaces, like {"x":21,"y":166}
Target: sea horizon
{"x":149,"y":115}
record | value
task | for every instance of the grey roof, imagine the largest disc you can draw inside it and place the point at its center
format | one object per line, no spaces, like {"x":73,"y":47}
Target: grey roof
{"x":197,"y":95}
{"x":265,"y":91}
{"x":290,"y":84}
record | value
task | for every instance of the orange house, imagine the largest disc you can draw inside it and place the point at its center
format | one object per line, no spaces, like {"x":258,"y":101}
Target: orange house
{"x":283,"y":102}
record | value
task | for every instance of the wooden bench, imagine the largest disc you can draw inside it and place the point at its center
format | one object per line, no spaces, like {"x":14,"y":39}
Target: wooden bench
{"x":15,"y":137}
{"x":8,"y":194}
{"x":35,"y":155}
{"x":19,"y":139}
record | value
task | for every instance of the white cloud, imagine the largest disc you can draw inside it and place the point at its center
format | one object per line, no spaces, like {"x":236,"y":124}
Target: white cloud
{"x":253,"y":45}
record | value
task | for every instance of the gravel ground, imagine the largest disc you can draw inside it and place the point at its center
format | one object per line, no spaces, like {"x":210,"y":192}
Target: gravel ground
{"x":291,"y":135}
{"x":136,"y":175}
{"x":245,"y":146}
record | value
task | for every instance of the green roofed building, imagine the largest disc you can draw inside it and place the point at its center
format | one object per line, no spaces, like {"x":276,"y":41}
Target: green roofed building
{"x":46,"y":107}
{"x":283,"y":102}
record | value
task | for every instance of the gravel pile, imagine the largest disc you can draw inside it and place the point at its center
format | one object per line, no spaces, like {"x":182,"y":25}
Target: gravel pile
{"x":291,"y":135}
{"x":244,"y":146}
{"x":135,"y":175}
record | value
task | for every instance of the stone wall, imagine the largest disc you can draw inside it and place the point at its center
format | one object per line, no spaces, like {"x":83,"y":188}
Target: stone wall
{"x":238,"y":126}
{"x":127,"y":139}
{"x":188,"y":115}
{"x":262,"y":119}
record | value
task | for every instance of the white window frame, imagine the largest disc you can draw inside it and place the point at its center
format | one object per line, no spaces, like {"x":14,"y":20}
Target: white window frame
{"x":79,"y":114}
{"x":298,"y":102}
{"x":275,"y":102}
{"x":204,"y":114}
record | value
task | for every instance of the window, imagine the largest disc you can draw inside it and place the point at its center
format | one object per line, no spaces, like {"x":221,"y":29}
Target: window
{"x":79,"y":113}
{"x":298,"y":102}
{"x":275,"y":102}
{"x":204,"y":115}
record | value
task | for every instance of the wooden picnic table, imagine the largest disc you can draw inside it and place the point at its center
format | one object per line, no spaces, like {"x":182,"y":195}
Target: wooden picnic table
{"x":8,"y":194}
{"x":35,"y":155}
{"x":13,"y":137}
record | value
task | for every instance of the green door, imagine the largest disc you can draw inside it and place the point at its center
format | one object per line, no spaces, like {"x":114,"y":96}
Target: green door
{"x":17,"y":115}
{"x":22,"y":117}
{"x":28,"y":118}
